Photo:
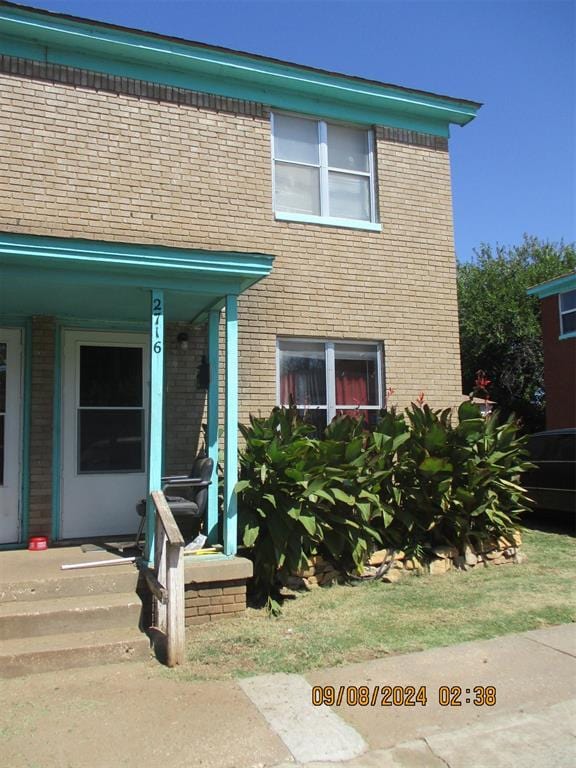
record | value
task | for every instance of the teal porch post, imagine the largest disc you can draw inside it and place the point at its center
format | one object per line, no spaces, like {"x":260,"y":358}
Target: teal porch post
{"x":156,"y":415}
{"x":231,"y":427}
{"x":212,"y":436}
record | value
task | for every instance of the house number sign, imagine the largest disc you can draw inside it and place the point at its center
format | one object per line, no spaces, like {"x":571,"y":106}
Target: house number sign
{"x":157,"y":312}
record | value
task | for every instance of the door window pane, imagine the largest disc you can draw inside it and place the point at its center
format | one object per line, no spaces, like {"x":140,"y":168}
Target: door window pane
{"x":302,"y":373}
{"x":297,"y":189}
{"x":110,"y":440}
{"x":349,"y":196}
{"x":347,"y":148}
{"x":356,"y":373}
{"x":3,"y":360}
{"x":296,"y":139}
{"x":3,"y":363}
{"x":110,"y":376}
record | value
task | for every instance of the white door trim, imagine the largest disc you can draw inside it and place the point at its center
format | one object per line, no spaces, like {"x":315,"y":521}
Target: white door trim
{"x":98,"y":504}
{"x":11,"y":490}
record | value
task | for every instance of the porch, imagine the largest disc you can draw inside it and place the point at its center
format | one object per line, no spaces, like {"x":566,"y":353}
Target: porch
{"x":90,"y":324}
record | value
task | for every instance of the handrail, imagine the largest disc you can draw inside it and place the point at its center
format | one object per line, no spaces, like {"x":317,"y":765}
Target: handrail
{"x":166,"y":580}
{"x":169,"y":524}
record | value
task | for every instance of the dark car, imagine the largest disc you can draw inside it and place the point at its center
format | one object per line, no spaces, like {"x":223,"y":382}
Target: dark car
{"x":552,"y":484}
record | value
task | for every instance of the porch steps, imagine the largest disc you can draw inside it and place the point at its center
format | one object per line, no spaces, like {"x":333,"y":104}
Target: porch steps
{"x":30,"y":655}
{"x":70,"y":619}
{"x":86,"y":613}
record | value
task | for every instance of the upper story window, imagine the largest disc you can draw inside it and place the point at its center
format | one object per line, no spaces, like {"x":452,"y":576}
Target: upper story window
{"x":568,"y":313}
{"x":323,"y":172}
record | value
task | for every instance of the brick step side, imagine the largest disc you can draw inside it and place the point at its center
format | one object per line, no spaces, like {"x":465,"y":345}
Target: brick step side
{"x":32,"y":655}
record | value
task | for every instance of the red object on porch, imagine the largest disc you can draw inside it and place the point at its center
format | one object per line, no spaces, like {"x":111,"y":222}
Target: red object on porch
{"x":37,"y":543}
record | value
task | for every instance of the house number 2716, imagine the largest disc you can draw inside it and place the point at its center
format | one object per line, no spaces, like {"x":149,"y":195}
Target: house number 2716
{"x":157,"y":312}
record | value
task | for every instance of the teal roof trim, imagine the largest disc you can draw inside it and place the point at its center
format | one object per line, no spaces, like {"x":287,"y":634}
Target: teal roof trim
{"x":136,"y":259}
{"x":552,"y":287}
{"x":128,"y":53}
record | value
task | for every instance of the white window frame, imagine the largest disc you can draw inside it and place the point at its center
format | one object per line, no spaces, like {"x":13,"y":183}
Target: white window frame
{"x":562,"y":312}
{"x":324,"y":171}
{"x":330,"y":357}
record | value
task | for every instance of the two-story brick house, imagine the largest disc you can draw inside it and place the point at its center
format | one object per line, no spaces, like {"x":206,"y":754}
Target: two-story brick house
{"x":165,"y":203}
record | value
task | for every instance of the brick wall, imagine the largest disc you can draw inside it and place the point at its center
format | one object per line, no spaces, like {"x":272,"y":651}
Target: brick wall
{"x":211,"y":601}
{"x":89,"y":157}
{"x":41,"y":425}
{"x":559,"y":369}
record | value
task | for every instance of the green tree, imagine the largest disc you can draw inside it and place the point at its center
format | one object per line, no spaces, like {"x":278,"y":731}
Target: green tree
{"x":500,"y":324}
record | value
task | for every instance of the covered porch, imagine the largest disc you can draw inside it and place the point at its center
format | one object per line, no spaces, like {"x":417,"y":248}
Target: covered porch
{"x":112,"y":305}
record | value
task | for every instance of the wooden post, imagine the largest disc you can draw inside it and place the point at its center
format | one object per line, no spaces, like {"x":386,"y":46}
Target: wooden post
{"x":156,"y":415}
{"x":175,"y":630}
{"x":212,"y":436}
{"x":231,"y":427}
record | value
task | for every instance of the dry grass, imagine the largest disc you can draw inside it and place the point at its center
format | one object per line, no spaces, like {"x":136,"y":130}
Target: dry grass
{"x":342,"y":624}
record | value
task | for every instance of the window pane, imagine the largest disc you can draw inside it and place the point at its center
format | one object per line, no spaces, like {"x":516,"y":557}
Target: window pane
{"x":569,"y":322}
{"x":349,"y":196}
{"x":296,"y":139}
{"x":111,"y":376}
{"x":356,"y":369}
{"x":568,"y":300}
{"x":370,"y":417}
{"x":302,"y":373}
{"x":110,"y":441}
{"x":317,"y":418}
{"x":297,"y":189}
{"x":348,"y":148}
{"x":3,"y":356}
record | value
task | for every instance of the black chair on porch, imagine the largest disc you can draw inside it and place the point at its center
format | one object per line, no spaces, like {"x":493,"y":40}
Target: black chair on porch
{"x":190,"y":508}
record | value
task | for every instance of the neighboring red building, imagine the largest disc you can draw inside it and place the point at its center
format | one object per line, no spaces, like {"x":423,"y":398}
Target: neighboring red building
{"x":559,"y":335}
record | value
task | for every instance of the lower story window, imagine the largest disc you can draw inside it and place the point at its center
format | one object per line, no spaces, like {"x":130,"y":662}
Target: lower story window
{"x":328,"y":378}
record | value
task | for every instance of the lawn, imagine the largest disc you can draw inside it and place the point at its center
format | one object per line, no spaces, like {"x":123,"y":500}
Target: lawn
{"x":341,"y":624}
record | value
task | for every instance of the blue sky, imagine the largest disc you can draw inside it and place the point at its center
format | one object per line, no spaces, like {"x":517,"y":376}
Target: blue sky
{"x":513,"y":168}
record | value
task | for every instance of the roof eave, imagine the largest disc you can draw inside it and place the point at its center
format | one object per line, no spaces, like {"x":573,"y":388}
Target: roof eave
{"x":129,"y":53}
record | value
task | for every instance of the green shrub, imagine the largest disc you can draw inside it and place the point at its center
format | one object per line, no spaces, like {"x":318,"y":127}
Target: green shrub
{"x":411,"y":483}
{"x":298,"y":495}
{"x":453,"y":484}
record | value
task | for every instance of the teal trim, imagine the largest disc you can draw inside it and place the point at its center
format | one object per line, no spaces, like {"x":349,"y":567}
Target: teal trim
{"x":8,"y":547}
{"x":130,"y":53}
{"x":156,"y":415}
{"x":231,"y":428}
{"x":552,"y":287}
{"x":57,"y":434}
{"x":152,"y":258}
{"x":571,"y":335}
{"x":26,"y":413}
{"x":328,"y":221}
{"x":212,"y":436}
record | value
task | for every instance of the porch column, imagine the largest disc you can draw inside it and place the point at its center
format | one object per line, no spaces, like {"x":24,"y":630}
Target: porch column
{"x":156,"y":415}
{"x":231,"y":427}
{"x":212,"y":436}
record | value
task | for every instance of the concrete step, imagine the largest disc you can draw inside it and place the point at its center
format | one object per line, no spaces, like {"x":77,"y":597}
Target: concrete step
{"x":120,"y":578}
{"x":28,"y":656}
{"x":84,"y":613}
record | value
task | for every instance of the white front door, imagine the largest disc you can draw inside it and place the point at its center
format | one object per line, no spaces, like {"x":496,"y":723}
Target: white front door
{"x":104,"y":427}
{"x":10,"y":433}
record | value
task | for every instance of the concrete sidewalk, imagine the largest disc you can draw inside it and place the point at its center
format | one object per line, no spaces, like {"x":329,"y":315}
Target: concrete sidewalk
{"x":139,"y":715}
